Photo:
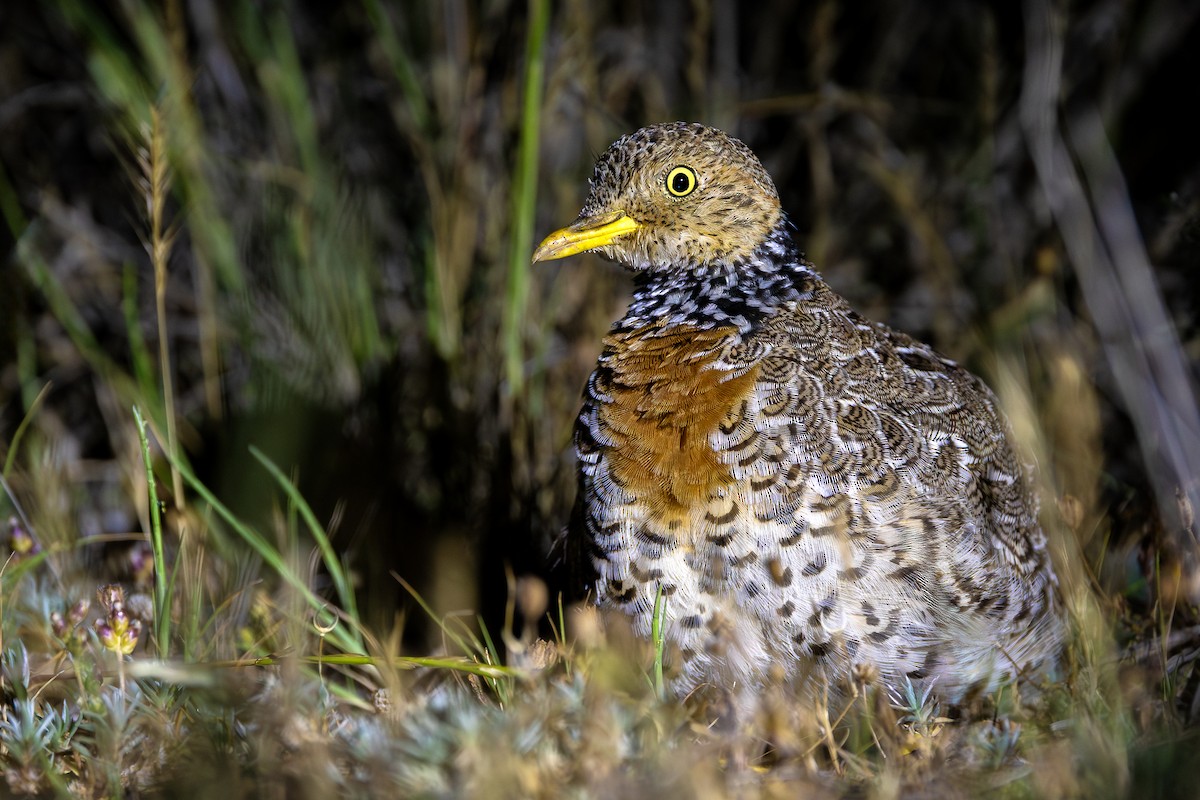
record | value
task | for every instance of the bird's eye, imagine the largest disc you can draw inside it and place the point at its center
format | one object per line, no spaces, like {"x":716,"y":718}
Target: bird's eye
{"x":681,"y":181}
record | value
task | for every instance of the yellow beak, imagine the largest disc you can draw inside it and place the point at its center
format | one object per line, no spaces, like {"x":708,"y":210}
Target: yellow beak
{"x":584,"y":234}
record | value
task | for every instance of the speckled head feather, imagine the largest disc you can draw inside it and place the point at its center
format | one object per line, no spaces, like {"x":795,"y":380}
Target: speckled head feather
{"x":676,"y":195}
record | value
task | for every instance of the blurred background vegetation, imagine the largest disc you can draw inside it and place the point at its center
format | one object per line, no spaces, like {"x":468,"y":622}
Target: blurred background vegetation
{"x":306,"y":227}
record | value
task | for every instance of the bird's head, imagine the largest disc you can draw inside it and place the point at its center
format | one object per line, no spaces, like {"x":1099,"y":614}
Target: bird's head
{"x":669,"y":197}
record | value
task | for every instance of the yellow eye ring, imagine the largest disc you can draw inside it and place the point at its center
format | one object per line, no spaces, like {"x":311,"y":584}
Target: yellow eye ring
{"x":681,"y":181}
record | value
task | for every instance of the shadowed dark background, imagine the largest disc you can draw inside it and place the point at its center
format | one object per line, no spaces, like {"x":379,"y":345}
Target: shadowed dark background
{"x":349,"y":287}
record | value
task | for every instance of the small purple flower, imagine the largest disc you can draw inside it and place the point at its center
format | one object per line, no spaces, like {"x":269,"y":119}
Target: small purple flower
{"x":117,"y":631}
{"x":119,"y":636}
{"x":21,"y":541}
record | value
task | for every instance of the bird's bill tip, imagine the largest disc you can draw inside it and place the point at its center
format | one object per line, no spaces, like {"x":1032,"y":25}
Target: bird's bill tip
{"x":586,"y":233}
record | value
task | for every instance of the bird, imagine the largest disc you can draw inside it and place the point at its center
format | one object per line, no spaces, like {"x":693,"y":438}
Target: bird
{"x":794,"y":486}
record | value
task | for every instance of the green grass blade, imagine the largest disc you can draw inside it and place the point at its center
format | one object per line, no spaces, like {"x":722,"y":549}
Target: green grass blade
{"x":271,"y":556}
{"x":402,"y":66}
{"x":162,"y":600}
{"x":656,"y":637}
{"x":11,"y":456}
{"x":476,"y":647}
{"x":525,"y":196}
{"x":333,"y":563}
